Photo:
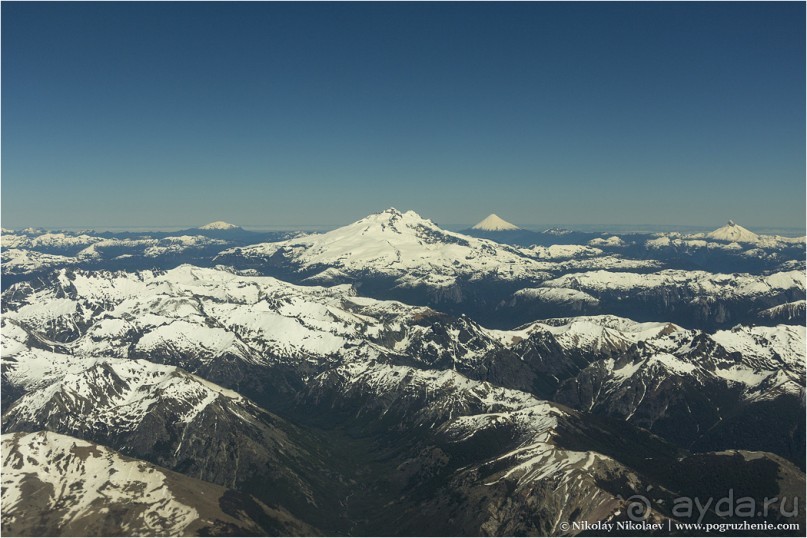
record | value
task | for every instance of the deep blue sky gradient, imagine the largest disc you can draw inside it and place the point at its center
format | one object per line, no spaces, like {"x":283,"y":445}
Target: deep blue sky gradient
{"x":155,"y":114}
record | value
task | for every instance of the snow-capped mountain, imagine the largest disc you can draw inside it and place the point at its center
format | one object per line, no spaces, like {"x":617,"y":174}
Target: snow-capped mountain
{"x":400,"y":256}
{"x":667,"y":241}
{"x":235,"y":235}
{"x":732,"y":236}
{"x":698,"y":282}
{"x":52,"y":242}
{"x":497,"y":229}
{"x":61,"y":249}
{"x":30,"y":253}
{"x":19,"y":261}
{"x":613,"y":241}
{"x":733,"y":233}
{"x":404,"y":247}
{"x":149,"y":248}
{"x":494,"y":223}
{"x":562,"y":252}
{"x":764,"y":255}
{"x":219,"y":225}
{"x":691,"y":298}
{"x":576,"y":300}
{"x":55,"y":482}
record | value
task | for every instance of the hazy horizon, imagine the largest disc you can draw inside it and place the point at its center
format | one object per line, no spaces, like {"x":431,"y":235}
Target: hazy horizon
{"x":325,"y":227}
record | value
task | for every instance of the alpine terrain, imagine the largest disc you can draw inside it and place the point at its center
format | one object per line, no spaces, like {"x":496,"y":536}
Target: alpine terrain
{"x":392,"y":377}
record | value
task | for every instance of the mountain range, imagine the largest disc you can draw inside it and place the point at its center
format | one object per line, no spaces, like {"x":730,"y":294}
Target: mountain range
{"x":393,"y":377}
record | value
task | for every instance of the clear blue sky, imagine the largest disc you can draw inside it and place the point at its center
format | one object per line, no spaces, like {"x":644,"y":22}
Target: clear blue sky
{"x":140,"y":114}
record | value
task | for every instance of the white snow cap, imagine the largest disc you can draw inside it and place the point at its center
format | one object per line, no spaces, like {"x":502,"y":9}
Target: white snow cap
{"x":218,"y":225}
{"x":733,"y":232}
{"x":494,"y":223}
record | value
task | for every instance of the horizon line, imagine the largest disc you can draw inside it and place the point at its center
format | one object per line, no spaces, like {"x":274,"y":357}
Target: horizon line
{"x":576,"y":227}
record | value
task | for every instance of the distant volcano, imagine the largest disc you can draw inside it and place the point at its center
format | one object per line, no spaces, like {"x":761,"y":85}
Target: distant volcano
{"x":493,"y":223}
{"x":219,"y":225}
{"x":734,"y":232}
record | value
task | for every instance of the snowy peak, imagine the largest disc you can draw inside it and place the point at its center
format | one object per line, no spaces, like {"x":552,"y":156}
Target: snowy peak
{"x":392,"y":213}
{"x":387,"y":227}
{"x":393,"y":220}
{"x":219,"y":225}
{"x":413,"y":250}
{"x":733,"y":232}
{"x":494,"y":223}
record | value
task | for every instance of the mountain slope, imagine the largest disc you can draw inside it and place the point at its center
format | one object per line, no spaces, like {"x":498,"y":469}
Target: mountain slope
{"x":479,"y":459}
{"x":59,"y":485}
{"x":168,"y":417}
{"x":687,"y":386}
{"x":785,"y":312}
